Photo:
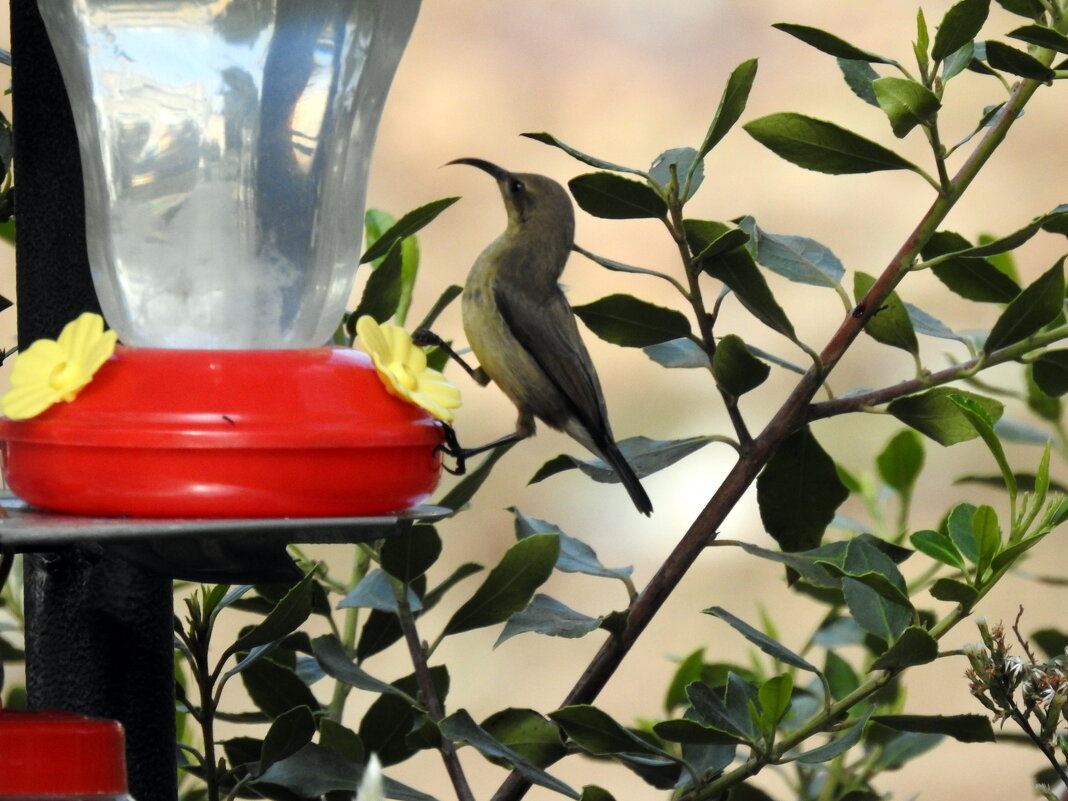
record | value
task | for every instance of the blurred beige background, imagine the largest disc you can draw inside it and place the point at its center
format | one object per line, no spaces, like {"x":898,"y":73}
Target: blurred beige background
{"x":626,"y":80}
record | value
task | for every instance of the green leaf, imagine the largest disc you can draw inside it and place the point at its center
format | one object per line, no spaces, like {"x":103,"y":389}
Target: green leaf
{"x":775,"y":695}
{"x":958,"y":61}
{"x":737,"y":371}
{"x":957,"y":592}
{"x":867,"y":560}
{"x":467,"y":569}
{"x":938,"y":546}
{"x":719,"y":710}
{"x":871,"y":608}
{"x":462,"y":493}
{"x":1005,"y":58}
{"x":678,"y":353}
{"x":890,"y":324}
{"x":509,"y":586}
{"x":528,"y":734}
{"x":546,"y":615}
{"x":825,"y":753}
{"x":613,"y":197}
{"x":990,"y":247}
{"x":276,"y":689}
{"x":906,"y":103}
{"x":1024,"y":8}
{"x":599,"y":734}
{"x":960,"y":25}
{"x":1056,"y":221}
{"x":859,"y":77}
{"x":575,"y":555}
{"x":840,"y":676}
{"x":289,"y":733}
{"x":406,"y":226}
{"x":382,"y":294}
{"x":922,"y":43}
{"x":451,"y":293}
{"x":970,"y":277}
{"x":987,"y":536}
{"x":1012,"y":553}
{"x":934,"y":414}
{"x":1041,"y":36}
{"x":738,"y":271}
{"x":689,"y":670}
{"x":314,"y":771}
{"x":1038,"y":304}
{"x":625,"y":320}
{"x":822,"y":146}
{"x":376,"y":223}
{"x":1050,"y":371}
{"x":798,"y":492}
{"x":830,"y":44}
{"x":983,"y":424}
{"x":684,"y":730}
{"x":335,"y":663}
{"x":645,"y":456}
{"x":724,"y":239}
{"x":389,"y":720}
{"x":959,"y":528}
{"x":805,"y":565}
{"x":965,"y":728}
{"x":459,"y":727}
{"x":340,"y":740}
{"x":600,"y":164}
{"x":286,"y":617}
{"x":731,"y":104}
{"x":617,"y":266}
{"x":914,"y":647}
{"x":684,"y":160}
{"x":797,"y":258}
{"x":410,"y":553}
{"x":375,"y":591}
{"x":901,"y":461}
{"x":592,"y":792}
{"x":1046,"y":406}
{"x":928,"y":325}
{"x":771,"y":647}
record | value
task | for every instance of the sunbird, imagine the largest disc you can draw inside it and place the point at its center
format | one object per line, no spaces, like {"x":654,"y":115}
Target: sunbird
{"x":522,"y":330}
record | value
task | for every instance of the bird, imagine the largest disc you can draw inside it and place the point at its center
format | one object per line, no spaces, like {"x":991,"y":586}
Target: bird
{"x":522,"y":330}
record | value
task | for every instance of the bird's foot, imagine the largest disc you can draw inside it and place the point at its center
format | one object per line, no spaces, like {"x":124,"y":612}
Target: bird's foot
{"x":451,"y":447}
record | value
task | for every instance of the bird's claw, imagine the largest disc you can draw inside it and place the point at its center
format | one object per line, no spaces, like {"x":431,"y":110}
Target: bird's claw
{"x":424,"y":337}
{"x":451,"y":447}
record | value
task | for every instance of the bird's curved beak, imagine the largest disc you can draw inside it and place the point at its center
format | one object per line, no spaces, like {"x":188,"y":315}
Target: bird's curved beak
{"x":497,"y":172}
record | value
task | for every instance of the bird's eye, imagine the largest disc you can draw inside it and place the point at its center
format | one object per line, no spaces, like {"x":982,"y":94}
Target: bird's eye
{"x":515,"y":186}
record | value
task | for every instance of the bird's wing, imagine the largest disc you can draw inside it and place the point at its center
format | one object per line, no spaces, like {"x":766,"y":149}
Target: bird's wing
{"x":548,"y":332}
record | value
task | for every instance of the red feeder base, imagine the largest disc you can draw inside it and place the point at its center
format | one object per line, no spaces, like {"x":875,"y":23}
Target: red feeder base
{"x":196,"y":433}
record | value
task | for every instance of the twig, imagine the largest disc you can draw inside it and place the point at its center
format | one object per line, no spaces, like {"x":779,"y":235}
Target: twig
{"x":877,"y":397}
{"x":429,"y":694}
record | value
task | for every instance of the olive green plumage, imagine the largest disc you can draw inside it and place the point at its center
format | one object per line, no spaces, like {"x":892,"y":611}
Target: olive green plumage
{"x":522,"y":330}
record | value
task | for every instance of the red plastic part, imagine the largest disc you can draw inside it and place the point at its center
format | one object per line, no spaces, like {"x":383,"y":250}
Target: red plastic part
{"x":196,"y":433}
{"x":60,"y":753}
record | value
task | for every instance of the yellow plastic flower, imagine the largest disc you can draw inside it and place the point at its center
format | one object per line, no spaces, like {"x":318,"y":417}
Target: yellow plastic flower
{"x":401,"y":365}
{"x":53,"y":370}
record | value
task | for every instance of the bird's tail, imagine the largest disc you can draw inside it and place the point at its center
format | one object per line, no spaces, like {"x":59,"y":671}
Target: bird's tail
{"x":612,"y":455}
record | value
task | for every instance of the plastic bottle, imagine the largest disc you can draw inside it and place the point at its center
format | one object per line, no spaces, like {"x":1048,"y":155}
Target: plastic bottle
{"x":61,"y":756}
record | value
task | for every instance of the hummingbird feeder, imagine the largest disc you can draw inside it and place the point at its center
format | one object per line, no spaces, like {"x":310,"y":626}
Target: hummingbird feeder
{"x":225,"y":147}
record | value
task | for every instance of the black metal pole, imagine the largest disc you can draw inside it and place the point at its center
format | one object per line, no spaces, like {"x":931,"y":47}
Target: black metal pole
{"x":98,"y":630}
